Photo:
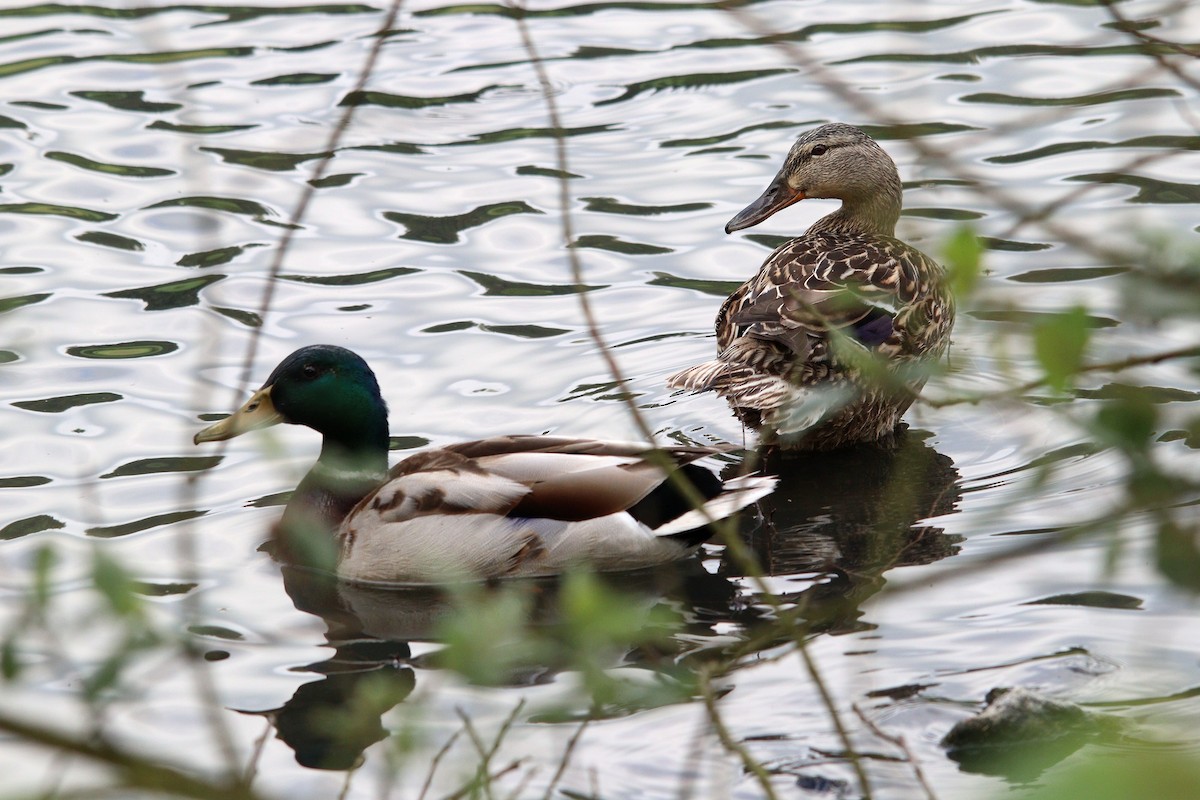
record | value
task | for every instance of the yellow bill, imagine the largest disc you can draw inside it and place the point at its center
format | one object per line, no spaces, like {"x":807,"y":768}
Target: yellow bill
{"x":258,"y":412}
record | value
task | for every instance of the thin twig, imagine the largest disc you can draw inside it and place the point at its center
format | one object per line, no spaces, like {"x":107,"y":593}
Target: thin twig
{"x":566,"y":758}
{"x":725,"y":528}
{"x":487,"y":753}
{"x":211,"y":705}
{"x":328,"y":152}
{"x":260,"y":745}
{"x":1155,"y":43}
{"x":347,"y":779}
{"x":1105,"y":366}
{"x":138,"y":771}
{"x":471,"y":785}
{"x":843,"y":734}
{"x":567,"y":222}
{"x":899,"y":742}
{"x":437,"y":759}
{"x":727,"y":741}
{"x":519,"y":789}
{"x":692,"y":763}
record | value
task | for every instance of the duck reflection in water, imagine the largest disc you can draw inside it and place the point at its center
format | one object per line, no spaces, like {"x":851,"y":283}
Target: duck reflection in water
{"x":328,"y":723}
{"x":848,"y":516}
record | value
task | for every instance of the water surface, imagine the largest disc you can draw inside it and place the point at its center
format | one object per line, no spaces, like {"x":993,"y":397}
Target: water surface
{"x":151,"y":158}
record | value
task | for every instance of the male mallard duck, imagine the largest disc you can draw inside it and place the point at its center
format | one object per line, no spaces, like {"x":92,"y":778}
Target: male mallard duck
{"x":509,"y":506}
{"x":791,"y":340}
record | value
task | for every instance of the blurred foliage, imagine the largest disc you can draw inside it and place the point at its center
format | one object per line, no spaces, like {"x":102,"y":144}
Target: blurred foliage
{"x":622,"y":650}
{"x":589,"y":628}
{"x":1100,"y":775}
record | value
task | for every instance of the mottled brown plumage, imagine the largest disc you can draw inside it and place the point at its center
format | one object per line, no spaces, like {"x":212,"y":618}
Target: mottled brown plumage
{"x":828,"y":344}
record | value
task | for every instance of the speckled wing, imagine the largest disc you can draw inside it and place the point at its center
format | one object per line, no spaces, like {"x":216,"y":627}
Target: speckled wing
{"x":816,"y":284}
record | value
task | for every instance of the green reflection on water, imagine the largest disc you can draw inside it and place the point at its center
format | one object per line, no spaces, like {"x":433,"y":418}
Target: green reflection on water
{"x":158,"y":520}
{"x":496,"y":286}
{"x":247,"y":318}
{"x":610,"y":205}
{"x":216,"y":631}
{"x":23,"y":481}
{"x":105,"y":239}
{"x":55,"y":405}
{"x":526,"y":331}
{"x":233,"y":205}
{"x":123,"y":170}
{"x":1021,"y":317}
{"x":49,"y":209}
{"x":354,"y":279}
{"x":198,"y":129}
{"x":1095,"y":99}
{"x":445,"y":230}
{"x":180,"y":55}
{"x":273,"y":162}
{"x":1010,"y":51}
{"x":693,"y":81}
{"x":177,"y":294}
{"x":598,"y":241}
{"x":9,"y":303}
{"x":1010,"y":245}
{"x":1091,"y":599}
{"x":450,"y":327}
{"x":1067,"y":274}
{"x":127,"y":101}
{"x":212,"y":258}
{"x":546,"y":172}
{"x":153,"y":466}
{"x":913,"y":130}
{"x":388,"y":100}
{"x":297,"y":79}
{"x":1147,"y":394}
{"x":24,"y":527}
{"x":157,"y":589}
{"x":333,"y":181}
{"x":228,"y":14}
{"x":117,"y":350}
{"x":1149,"y":189}
{"x":721,"y":138}
{"x":942,"y":213}
{"x":516,"y":134}
{"x":1165,"y":142}
{"x":714,"y":288}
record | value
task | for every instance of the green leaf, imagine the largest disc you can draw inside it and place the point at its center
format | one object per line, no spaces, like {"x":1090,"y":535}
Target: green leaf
{"x":1127,"y":422}
{"x":10,"y":665}
{"x":486,"y":638}
{"x":1178,"y":554}
{"x":115,"y":584}
{"x":1060,"y":342}
{"x":44,"y":561}
{"x":963,"y":254}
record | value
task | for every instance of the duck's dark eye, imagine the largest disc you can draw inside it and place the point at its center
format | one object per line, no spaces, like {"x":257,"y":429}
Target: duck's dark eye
{"x":309,"y":371}
{"x":819,"y":149}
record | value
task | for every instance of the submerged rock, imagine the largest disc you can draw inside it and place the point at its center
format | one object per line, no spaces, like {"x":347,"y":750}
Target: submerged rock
{"x":1020,"y":733}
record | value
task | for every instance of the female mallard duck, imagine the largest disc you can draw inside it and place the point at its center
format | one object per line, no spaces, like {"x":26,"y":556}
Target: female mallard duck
{"x":510,"y":506}
{"x":825,"y":346}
